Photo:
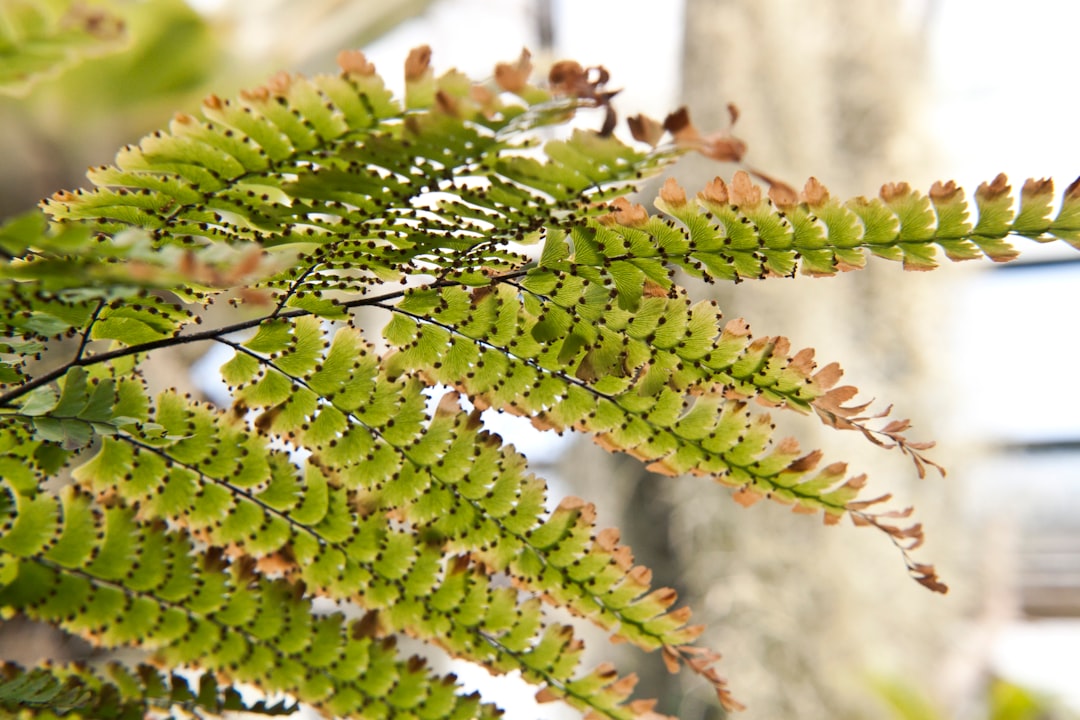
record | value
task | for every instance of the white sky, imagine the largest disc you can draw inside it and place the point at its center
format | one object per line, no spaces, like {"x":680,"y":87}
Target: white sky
{"x":1007,"y":96}
{"x":1006,"y":100}
{"x":597,"y":32}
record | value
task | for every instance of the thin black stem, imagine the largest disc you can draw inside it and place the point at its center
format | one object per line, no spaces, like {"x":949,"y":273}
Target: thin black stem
{"x":292,"y":290}
{"x":86,"y":333}
{"x":505,"y":351}
{"x":207,"y":479}
{"x":750,"y":468}
{"x":81,"y":360}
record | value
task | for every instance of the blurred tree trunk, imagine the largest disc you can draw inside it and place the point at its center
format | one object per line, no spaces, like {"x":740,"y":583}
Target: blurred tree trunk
{"x":803,"y":614}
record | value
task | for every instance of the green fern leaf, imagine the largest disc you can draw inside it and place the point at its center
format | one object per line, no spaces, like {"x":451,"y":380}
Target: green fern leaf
{"x":120,"y":693}
{"x":224,"y":622}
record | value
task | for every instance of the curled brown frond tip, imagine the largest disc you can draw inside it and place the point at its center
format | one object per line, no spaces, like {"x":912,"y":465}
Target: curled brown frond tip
{"x":814,"y":193}
{"x":1073,"y":191}
{"x":783,"y":196}
{"x":701,"y":661}
{"x":905,"y":538}
{"x":625,"y":213}
{"x":514,"y":77}
{"x":743,"y":191}
{"x":833,"y":411}
{"x":672,"y":193}
{"x":721,"y":145}
{"x":998,"y":187}
{"x":678,"y":124}
{"x":353,"y":62}
{"x":715,"y":191}
{"x":927,"y":576}
{"x":944,"y":192}
{"x":1033,"y":188}
{"x":568,"y":78}
{"x":894,"y":191}
{"x":95,"y":22}
{"x":256,"y":95}
{"x":644,"y":129}
{"x":418,"y":63}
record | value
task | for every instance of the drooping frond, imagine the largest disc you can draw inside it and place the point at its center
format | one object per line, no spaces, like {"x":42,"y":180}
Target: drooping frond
{"x":385,"y":510}
{"x":39,"y":38}
{"x":377,"y":514}
{"x":667,"y":384}
{"x":98,"y":571}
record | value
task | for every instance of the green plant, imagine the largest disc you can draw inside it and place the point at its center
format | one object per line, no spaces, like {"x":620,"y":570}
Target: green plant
{"x":513,"y":277}
{"x":1003,"y":700}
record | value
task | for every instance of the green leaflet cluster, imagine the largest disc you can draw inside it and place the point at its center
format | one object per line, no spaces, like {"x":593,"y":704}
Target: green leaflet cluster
{"x":119,"y":693}
{"x":346,"y":191}
{"x":382,"y":512}
{"x":102,"y":573}
{"x":665,"y":383}
{"x":455,"y":484}
{"x":336,"y":527}
{"x":735,"y":232}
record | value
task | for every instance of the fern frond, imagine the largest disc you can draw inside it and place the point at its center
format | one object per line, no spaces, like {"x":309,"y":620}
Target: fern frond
{"x":223,"y":486}
{"x":665,"y":383}
{"x":116,"y":692}
{"x":105,"y":575}
{"x":734,"y":232}
{"x":325,"y":397}
{"x":40,"y":38}
{"x":335,"y":169}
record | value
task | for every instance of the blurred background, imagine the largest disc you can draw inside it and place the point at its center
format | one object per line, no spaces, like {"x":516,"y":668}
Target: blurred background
{"x":813,"y":622}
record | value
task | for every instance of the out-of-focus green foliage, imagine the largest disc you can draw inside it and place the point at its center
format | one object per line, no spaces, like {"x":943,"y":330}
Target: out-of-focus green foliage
{"x":75,"y":118}
{"x":42,"y":38}
{"x":173,"y":53}
{"x":1003,"y":700}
